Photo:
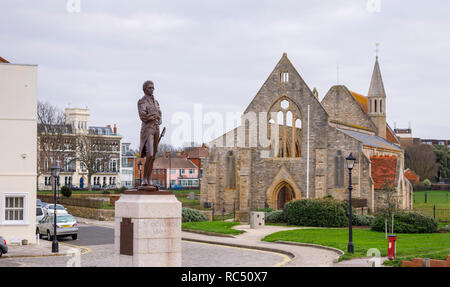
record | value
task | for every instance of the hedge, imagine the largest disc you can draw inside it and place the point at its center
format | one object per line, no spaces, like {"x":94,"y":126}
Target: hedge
{"x":192,"y":215}
{"x":406,"y":222}
{"x":316,"y":213}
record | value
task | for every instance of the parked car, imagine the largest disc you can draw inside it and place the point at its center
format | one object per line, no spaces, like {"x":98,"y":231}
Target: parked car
{"x":39,"y":213}
{"x":96,"y":187}
{"x":177,"y":187}
{"x":66,"y":225}
{"x":50,"y":209}
{"x":3,"y":246}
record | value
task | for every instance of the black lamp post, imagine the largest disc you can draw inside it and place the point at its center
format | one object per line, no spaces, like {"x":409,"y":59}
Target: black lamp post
{"x":350,"y":163}
{"x":55,"y":174}
{"x":140,"y":172}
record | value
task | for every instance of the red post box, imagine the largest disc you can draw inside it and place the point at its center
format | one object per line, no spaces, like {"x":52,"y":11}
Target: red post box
{"x":392,"y":248}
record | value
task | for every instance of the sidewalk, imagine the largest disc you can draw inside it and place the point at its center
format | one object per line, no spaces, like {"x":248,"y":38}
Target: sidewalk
{"x":43,"y":249}
{"x":302,"y":255}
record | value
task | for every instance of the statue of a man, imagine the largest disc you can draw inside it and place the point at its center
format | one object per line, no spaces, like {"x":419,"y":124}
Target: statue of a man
{"x":150,"y":115}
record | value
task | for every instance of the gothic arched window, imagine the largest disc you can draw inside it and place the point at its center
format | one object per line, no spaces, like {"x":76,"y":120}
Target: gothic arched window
{"x":288,"y":118}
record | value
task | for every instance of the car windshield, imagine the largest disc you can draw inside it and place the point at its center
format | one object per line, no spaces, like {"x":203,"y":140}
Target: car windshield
{"x":64,"y":218}
{"x":58,"y":207}
{"x":39,"y":211}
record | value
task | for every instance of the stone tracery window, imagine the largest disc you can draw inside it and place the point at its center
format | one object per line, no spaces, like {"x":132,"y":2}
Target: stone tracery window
{"x":231,"y":171}
{"x":288,"y":118}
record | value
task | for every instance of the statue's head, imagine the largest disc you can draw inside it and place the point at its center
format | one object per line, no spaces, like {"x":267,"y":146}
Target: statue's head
{"x":148,"y":88}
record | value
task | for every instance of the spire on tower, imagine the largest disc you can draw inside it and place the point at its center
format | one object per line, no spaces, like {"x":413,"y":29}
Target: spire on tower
{"x":376,"y":84}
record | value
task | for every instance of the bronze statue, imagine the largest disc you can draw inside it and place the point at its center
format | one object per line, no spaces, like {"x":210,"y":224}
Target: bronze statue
{"x":150,"y":115}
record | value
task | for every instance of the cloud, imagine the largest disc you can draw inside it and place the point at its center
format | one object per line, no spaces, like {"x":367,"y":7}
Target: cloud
{"x":219,"y":53}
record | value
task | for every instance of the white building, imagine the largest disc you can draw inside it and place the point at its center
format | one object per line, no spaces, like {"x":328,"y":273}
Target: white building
{"x":18,"y":122}
{"x":73,"y":172}
{"x":127,"y":167}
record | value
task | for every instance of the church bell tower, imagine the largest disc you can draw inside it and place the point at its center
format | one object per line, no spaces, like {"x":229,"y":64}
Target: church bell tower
{"x":377,"y":101}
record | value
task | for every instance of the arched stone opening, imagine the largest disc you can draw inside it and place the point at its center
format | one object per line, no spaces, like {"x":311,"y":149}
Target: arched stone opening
{"x":285,"y":194}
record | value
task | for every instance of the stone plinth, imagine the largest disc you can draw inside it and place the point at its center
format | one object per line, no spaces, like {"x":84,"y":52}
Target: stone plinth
{"x":151,"y":225}
{"x":257,"y":220}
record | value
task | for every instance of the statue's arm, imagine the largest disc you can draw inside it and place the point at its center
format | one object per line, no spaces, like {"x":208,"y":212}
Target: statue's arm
{"x":143,"y":115}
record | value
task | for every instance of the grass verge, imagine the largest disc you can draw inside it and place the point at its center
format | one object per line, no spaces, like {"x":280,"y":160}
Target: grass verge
{"x":214,"y":226}
{"x":435,"y":246}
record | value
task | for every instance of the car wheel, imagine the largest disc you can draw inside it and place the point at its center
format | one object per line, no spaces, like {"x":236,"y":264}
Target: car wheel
{"x":74,"y":236}
{"x":1,"y":252}
{"x":49,"y":238}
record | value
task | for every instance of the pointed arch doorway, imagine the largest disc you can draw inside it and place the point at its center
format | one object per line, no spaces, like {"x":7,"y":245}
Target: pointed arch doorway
{"x":285,"y":194}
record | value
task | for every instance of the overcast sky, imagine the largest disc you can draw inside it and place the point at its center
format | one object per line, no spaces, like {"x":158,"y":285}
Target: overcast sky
{"x":219,"y":53}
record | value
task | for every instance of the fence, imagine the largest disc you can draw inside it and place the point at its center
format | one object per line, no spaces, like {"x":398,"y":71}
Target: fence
{"x":74,"y":201}
{"x":440,"y":214}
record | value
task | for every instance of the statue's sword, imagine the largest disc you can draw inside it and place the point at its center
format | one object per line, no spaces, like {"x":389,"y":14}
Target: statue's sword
{"x":162,"y":134}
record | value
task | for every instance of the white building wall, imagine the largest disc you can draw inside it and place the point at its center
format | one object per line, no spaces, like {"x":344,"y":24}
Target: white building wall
{"x":18,"y":127}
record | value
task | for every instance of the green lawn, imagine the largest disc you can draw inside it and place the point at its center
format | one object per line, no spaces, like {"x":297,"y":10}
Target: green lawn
{"x":436,"y":245}
{"x":438,"y":198}
{"x":214,"y":226}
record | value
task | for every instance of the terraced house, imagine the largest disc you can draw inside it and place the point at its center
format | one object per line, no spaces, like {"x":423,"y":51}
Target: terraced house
{"x":292,"y":146}
{"x":86,"y":154}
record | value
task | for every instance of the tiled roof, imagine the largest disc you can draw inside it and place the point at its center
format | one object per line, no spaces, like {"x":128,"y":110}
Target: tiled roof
{"x":197,"y":152}
{"x":370,"y":140}
{"x":364,"y":103}
{"x":362,"y":100}
{"x":411,"y":176}
{"x":383,"y":169}
{"x":3,"y":60}
{"x":175,"y":162}
{"x":390,"y":135}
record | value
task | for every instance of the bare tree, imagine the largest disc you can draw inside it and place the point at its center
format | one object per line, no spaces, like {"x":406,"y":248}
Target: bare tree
{"x":51,"y":141}
{"x":94,"y":154}
{"x":422,"y":160}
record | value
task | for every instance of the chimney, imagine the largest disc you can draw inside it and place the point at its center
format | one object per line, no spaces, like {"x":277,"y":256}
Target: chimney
{"x":167,"y":154}
{"x":178,"y":153}
{"x":115,"y":129}
{"x":108,"y":126}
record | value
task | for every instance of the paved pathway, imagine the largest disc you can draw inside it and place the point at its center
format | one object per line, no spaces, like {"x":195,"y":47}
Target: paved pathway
{"x":303,"y":255}
{"x":198,"y":250}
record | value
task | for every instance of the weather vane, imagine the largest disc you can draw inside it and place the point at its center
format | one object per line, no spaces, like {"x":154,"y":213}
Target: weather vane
{"x":377,"y":49}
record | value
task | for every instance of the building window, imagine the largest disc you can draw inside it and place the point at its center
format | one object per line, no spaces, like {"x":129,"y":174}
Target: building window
{"x":284,"y":77}
{"x":14,"y":208}
{"x":231,"y":171}
{"x":339,"y":165}
{"x":191,"y":171}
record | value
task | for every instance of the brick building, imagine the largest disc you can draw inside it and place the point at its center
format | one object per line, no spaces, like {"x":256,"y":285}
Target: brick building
{"x":292,"y":146}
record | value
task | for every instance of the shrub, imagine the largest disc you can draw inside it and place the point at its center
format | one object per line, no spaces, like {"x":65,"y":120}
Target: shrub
{"x":361,"y":220}
{"x":192,"y":215}
{"x":120,"y":190}
{"x":275,"y":216}
{"x":316,"y":212}
{"x":66,"y":191}
{"x":406,"y":222}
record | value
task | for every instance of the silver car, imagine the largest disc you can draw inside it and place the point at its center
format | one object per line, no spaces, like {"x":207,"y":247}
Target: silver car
{"x":66,"y":225}
{"x":39,"y":213}
{"x":50,"y":209}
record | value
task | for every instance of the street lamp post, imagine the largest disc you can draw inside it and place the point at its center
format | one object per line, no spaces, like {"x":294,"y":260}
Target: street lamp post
{"x":350,"y":163}
{"x":140,"y":172}
{"x":55,"y":174}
